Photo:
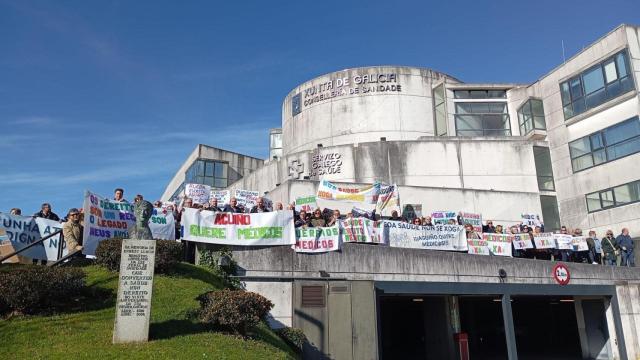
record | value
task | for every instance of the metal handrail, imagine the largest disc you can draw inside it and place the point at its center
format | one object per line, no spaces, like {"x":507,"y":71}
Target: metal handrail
{"x":32,"y":245}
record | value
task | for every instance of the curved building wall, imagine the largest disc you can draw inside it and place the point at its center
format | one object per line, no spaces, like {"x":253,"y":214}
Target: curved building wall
{"x":360,"y":105}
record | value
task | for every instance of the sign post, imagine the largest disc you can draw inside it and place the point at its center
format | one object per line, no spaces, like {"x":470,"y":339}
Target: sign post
{"x":135,"y":284}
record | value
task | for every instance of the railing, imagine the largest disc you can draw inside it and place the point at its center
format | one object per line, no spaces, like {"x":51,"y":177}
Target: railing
{"x":17,"y":252}
{"x":60,"y":259}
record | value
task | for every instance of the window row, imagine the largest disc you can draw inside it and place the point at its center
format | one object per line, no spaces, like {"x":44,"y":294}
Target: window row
{"x":614,"y":197}
{"x":480,"y":94}
{"x":207,"y":172}
{"x":606,"y":145}
{"x":596,"y":85}
{"x":483,"y":125}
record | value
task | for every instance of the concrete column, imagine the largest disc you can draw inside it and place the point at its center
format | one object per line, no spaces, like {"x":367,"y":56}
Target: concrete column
{"x":582,"y":331}
{"x":611,"y":328}
{"x":509,"y":330}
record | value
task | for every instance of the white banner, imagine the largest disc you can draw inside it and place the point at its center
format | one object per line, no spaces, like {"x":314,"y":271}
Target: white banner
{"x":579,"y":243}
{"x":531,"y":220}
{"x":444,"y":217}
{"x":361,"y":230}
{"x":499,"y":244}
{"x":306,"y":203}
{"x":388,"y":198}
{"x":21,"y":231}
{"x":367,"y":194}
{"x":104,"y":219}
{"x":246,"y":198}
{"x":223,"y":196}
{"x":317,"y":240}
{"x":522,"y":242}
{"x":162,"y":225}
{"x":199,"y":193}
{"x":260,"y":229}
{"x":544,"y":241}
{"x":563,"y":241}
{"x":438,"y":237}
{"x":478,"y":247}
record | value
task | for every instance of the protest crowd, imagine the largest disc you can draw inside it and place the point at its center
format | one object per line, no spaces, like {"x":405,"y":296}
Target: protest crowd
{"x":182,"y":221}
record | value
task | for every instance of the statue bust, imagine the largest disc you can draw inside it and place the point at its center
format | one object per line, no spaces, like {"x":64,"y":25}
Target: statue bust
{"x":143,"y":211}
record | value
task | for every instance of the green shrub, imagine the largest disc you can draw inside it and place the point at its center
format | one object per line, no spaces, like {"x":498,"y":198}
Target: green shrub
{"x":210,"y":258}
{"x":168,"y":253}
{"x":294,"y":337}
{"x":237,"y":311}
{"x":32,"y":289}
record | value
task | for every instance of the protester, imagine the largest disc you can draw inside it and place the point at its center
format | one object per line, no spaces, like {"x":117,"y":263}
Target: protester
{"x":498,"y":229}
{"x":118,"y":195}
{"x":259,"y":207}
{"x":213,"y":205}
{"x":610,"y":249}
{"x":591,"y":242}
{"x":427,"y":221}
{"x":317,"y":220}
{"x":302,"y":220}
{"x":16,"y":211}
{"x":335,"y":217}
{"x":157,"y":204}
{"x":233,"y":206}
{"x":46,"y":213}
{"x":279,"y":206}
{"x":291,"y":206}
{"x":453,"y":222}
{"x":72,"y":231}
{"x":626,"y":247}
{"x":581,"y":256}
{"x":471,"y":233}
{"x":489,"y":228}
{"x":417,"y":221}
{"x":565,"y":255}
{"x":394,"y":216}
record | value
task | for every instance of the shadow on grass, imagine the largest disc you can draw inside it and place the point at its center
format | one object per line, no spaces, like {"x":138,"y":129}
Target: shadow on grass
{"x":172,"y":328}
{"x":263,"y":333}
{"x":189,"y":271}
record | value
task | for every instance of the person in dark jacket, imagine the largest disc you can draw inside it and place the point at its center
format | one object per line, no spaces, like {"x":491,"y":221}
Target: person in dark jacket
{"x":626,"y":248}
{"x":489,"y":228}
{"x":46,"y":213}
{"x":259,"y":207}
{"x":213,"y":205}
{"x":233,"y":206}
{"x":302,"y":220}
{"x":610,"y":249}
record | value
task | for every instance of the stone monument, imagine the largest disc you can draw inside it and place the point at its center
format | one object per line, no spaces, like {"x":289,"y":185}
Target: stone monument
{"x":135,"y":284}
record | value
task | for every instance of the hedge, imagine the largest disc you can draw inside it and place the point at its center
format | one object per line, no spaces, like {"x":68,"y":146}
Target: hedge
{"x":237,"y":311}
{"x":168,"y":253}
{"x":294,"y":337}
{"x":32,"y":289}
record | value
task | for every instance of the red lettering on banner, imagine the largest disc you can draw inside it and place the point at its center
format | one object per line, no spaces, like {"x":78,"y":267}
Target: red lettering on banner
{"x":232,"y":219}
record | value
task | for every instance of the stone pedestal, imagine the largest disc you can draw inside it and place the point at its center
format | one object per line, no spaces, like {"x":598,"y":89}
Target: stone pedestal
{"x":133,"y":307}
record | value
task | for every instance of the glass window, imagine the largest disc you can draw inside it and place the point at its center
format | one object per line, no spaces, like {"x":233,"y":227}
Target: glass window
{"x":482,"y":119}
{"x":531,"y":116}
{"x":593,"y":202}
{"x":610,"y":71}
{"x":208,"y":169}
{"x":618,"y":196}
{"x":480,"y":94}
{"x":550,"y":213}
{"x":622,"y":131}
{"x":606,"y":198}
{"x":542,"y":159}
{"x":606,"y":145}
{"x":596,"y":85}
{"x":579,"y":147}
{"x":593,"y":80}
{"x":221,"y":170}
{"x":440,"y":112}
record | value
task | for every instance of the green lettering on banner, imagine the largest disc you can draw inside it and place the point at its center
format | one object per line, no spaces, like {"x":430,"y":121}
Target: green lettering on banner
{"x":260,"y":233}
{"x":216,"y":233}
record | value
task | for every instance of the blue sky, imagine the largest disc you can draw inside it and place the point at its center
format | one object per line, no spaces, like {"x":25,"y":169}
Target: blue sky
{"x":97,"y":95}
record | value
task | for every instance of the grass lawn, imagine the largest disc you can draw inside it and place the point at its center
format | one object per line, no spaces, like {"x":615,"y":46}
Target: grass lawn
{"x":87,"y":331}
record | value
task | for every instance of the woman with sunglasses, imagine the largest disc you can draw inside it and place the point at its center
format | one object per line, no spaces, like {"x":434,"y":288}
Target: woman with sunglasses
{"x":317,"y":220}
